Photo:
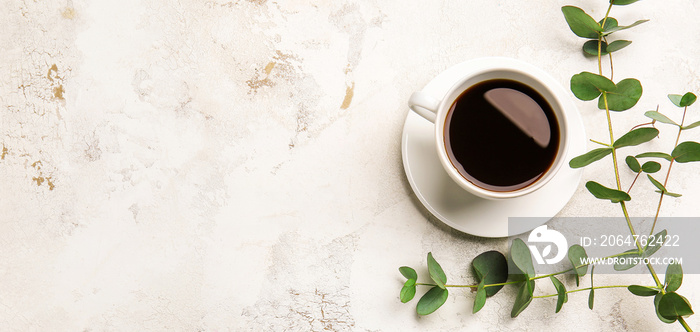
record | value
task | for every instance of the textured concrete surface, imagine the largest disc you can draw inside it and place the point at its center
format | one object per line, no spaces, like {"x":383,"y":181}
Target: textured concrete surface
{"x":236,"y":165}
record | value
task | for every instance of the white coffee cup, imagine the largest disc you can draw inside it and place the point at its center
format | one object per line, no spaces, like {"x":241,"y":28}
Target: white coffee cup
{"x":436,"y":109}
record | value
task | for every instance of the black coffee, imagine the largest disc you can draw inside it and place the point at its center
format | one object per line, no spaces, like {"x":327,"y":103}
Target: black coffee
{"x":501,"y":135}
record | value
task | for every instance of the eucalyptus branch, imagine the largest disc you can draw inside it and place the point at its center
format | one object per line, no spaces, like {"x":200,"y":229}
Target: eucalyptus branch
{"x":583,"y":289}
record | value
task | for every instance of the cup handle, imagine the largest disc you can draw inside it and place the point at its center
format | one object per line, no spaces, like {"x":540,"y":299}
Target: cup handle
{"x":426,"y":106}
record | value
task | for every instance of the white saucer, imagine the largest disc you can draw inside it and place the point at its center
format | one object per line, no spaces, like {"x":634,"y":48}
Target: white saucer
{"x":463,"y":211}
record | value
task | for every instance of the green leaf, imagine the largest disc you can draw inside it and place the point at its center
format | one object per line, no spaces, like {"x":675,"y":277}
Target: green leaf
{"x":657,"y":184}
{"x":491,"y":267}
{"x":522,"y":258}
{"x":662,"y":189}
{"x":588,"y":86}
{"x":675,"y":99}
{"x":480,"y":298}
{"x":654,"y":115}
{"x":436,"y":272}
{"x":431,"y":301}
{"x":624,"y":97}
{"x":408,"y":291}
{"x":408,"y":272}
{"x":591,"y":47}
{"x":655,"y":243}
{"x":591,"y":295}
{"x":623,"y":27}
{"x":576,"y":256}
{"x":686,"y":152}
{"x":629,"y":258}
{"x":657,"y":299}
{"x":562,"y":297}
{"x":683,"y":101}
{"x":668,"y":193}
{"x":674,"y":277}
{"x":651,"y":167}
{"x":589,"y":157}
{"x":617,"y":45}
{"x":581,"y":23}
{"x":655,"y":155}
{"x":636,"y":137}
{"x":692,"y":125}
{"x":602,"y":192}
{"x":622,"y":2}
{"x":610,"y":23}
{"x":673,"y":306}
{"x":523,"y":298}
{"x":642,"y":290}
{"x":688,"y":99}
{"x":633,"y":164}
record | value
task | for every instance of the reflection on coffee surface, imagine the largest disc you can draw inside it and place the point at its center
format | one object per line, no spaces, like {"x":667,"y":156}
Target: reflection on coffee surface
{"x":501,"y":135}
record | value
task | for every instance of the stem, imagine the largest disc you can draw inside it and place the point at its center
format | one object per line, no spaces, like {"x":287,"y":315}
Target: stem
{"x":580,"y":290}
{"x":684,"y":324}
{"x":668,"y":172}
{"x":629,"y":224}
{"x":633,"y":181}
{"x":612,"y":140}
{"x":600,"y":40}
{"x":642,"y":125}
{"x":611,"y":62}
{"x":601,"y":143}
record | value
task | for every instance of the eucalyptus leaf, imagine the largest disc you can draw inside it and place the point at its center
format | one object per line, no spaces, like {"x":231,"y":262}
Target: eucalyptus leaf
{"x":523,"y":298}
{"x":408,"y":272}
{"x":562,"y":297}
{"x":633,"y":164}
{"x":581,"y":23}
{"x":408,"y":291}
{"x":655,"y":243}
{"x":609,"y":23}
{"x":491,"y":267}
{"x":683,"y":101}
{"x":657,"y":299}
{"x":436,"y":272}
{"x":591,"y":295}
{"x":589,"y":157}
{"x":674,"y":277}
{"x":480,"y":298}
{"x":602,"y":192}
{"x":655,"y":155}
{"x":622,"y":2}
{"x":624,"y":27}
{"x":654,"y":115}
{"x":591,"y":48}
{"x":657,"y":184}
{"x":630,"y":260}
{"x":431,"y":301}
{"x":692,"y":125}
{"x":588,"y":86}
{"x":686,"y":152}
{"x":624,"y":97}
{"x":688,"y":99}
{"x":642,"y":290}
{"x":651,"y":167}
{"x":636,"y":137}
{"x":522,"y":258}
{"x":577,"y":254}
{"x":673,"y":306}
{"x":668,"y":193}
{"x":617,"y":45}
{"x":675,"y":99}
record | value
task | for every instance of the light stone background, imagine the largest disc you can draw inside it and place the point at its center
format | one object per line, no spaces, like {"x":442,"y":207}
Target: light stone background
{"x":236,"y":165}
